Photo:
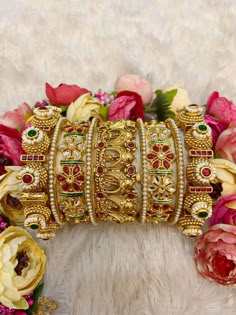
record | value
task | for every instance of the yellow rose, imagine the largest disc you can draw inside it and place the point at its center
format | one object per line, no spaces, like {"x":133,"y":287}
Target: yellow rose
{"x":225,"y":174}
{"x":22,"y":266}
{"x":83,"y":108}
{"x":181,"y":98}
{"x":9,"y":185}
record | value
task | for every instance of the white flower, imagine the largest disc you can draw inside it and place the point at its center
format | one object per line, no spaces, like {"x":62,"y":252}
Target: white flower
{"x":181,"y":98}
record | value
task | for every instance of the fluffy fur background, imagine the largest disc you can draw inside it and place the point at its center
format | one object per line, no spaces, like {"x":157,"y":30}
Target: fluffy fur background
{"x":121,"y":269}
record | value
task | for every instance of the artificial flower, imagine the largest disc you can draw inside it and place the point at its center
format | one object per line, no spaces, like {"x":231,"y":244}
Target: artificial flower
{"x":180,"y":99}
{"x":22,"y":266}
{"x":215,"y":254}
{"x":226,"y":144}
{"x":217,"y":127}
{"x":17,"y":118}
{"x":10,"y":191}
{"x":85,"y":107}
{"x":64,"y":94}
{"x":126,"y":105}
{"x":226,"y":175}
{"x":221,"y":108}
{"x":10,"y":147}
{"x":135,"y":83}
{"x":224,"y":211}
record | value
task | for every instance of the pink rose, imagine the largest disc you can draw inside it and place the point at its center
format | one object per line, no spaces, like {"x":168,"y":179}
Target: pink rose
{"x":64,"y":94}
{"x":126,"y":105}
{"x":216,"y":127}
{"x":223,"y":109}
{"x":224,"y":211}
{"x":226,"y":144}
{"x":17,"y":118}
{"x":215,"y":254}
{"x":10,"y":147}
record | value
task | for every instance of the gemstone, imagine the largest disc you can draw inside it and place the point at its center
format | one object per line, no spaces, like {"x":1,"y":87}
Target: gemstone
{"x":131,"y":144}
{"x":202,"y":127}
{"x":131,"y":170}
{"x":165,"y":148}
{"x":101,"y":145}
{"x":68,"y":139}
{"x":76,"y":154}
{"x":166,"y":164}
{"x":151,"y":156}
{"x":156,"y":148}
{"x":165,"y":207}
{"x":76,"y":186}
{"x":79,"y":130}
{"x":206,"y":171}
{"x":34,"y":226}
{"x":100,"y":195}
{"x":66,"y":170}
{"x":61,"y":178}
{"x":202,"y":214}
{"x":154,"y":136}
{"x":66,"y":154}
{"x":65,"y":186}
{"x":80,"y":178}
{"x":76,"y":170}
{"x":131,"y":196}
{"x":170,"y":156}
{"x":156,"y":164}
{"x":155,"y":206}
{"x":161,"y":155}
{"x":32,"y":133}
{"x":27,"y":179}
{"x":41,"y":158}
{"x":99,"y":170}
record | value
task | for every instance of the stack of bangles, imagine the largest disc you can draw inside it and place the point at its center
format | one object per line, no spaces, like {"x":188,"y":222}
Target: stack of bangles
{"x":110,"y":165}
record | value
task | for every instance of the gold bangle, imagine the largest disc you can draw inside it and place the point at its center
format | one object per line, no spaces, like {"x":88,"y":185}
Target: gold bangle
{"x":115,"y":172}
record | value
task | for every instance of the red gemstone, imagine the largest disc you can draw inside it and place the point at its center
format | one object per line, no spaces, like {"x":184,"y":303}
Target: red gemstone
{"x":30,"y":157}
{"x":76,"y":170}
{"x":131,"y":196}
{"x":166,"y":164}
{"x":65,"y":186}
{"x":100,"y":170}
{"x":131,"y":144}
{"x":165,"y":207}
{"x":101,"y":145}
{"x":66,"y":170}
{"x":156,"y":148}
{"x":79,"y":130}
{"x":155,"y":206}
{"x":100,"y":195}
{"x":76,"y":186}
{"x":170,"y":156}
{"x":206,"y":171}
{"x":27,"y":179}
{"x":61,"y":178}
{"x":165,"y":148}
{"x":156,"y":164}
{"x":80,"y":178}
{"x":41,"y":157}
{"x":151,"y":156}
{"x":131,"y":170}
{"x":71,"y":129}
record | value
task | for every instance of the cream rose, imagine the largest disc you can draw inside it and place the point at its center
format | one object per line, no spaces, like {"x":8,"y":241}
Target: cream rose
{"x":181,"y":98}
{"x":9,"y":195}
{"x":22,"y":266}
{"x":83,"y":108}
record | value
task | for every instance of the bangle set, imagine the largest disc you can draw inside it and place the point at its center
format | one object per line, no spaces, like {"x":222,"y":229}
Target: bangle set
{"x":120,"y":171}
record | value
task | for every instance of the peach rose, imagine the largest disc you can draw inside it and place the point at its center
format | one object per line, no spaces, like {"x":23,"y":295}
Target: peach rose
{"x":17,"y":118}
{"x":226,"y":144}
{"x":215,"y":254}
{"x":223,"y":109}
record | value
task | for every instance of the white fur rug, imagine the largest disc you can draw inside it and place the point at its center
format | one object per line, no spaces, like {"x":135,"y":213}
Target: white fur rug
{"x":121,"y":269}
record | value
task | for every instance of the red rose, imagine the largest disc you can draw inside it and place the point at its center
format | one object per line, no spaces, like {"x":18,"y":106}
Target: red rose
{"x":64,"y":94}
{"x":134,"y":104}
{"x":10,"y":147}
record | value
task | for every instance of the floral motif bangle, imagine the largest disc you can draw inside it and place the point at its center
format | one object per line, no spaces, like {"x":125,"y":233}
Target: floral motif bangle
{"x":160,"y":158}
{"x":71,"y":175}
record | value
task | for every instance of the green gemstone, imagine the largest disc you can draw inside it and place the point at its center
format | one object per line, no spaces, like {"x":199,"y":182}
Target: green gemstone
{"x":32,"y":133}
{"x":202,"y":127}
{"x":202,"y":214}
{"x":34,"y":226}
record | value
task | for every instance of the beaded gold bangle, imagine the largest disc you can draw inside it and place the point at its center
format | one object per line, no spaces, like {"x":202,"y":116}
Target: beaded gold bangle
{"x":115,"y":172}
{"x":144,"y":170}
{"x":89,"y":190}
{"x":179,"y":170}
{"x":161,"y":181}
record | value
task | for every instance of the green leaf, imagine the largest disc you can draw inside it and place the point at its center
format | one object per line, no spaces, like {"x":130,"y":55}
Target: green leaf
{"x":37,"y":293}
{"x":63,"y":108}
{"x":103,"y":111}
{"x":161,"y":104}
